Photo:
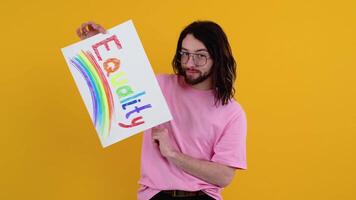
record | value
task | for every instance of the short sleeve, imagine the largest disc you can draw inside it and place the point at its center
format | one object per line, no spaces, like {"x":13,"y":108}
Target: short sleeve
{"x":162,"y":80}
{"x":230,"y":148}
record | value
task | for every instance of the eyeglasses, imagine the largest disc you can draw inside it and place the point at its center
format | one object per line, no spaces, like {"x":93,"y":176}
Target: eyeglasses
{"x":198,"y":58}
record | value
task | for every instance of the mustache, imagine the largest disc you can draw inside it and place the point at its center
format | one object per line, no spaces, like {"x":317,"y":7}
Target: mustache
{"x":191,"y":69}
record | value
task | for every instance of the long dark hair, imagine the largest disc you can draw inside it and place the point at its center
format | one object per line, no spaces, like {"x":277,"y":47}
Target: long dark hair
{"x":224,"y":65}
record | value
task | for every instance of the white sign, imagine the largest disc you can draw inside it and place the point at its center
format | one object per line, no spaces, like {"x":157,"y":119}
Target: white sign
{"x":117,"y":84}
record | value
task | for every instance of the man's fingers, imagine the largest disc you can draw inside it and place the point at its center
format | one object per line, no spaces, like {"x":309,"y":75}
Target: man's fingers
{"x":154,"y":134}
{"x":82,"y":35}
{"x":155,"y":139}
{"x":84,"y":28}
{"x":100,"y":29}
{"x":157,"y":128}
{"x":79,"y":33}
{"x":88,"y":29}
{"x":97,"y":27}
{"x":91,"y":26}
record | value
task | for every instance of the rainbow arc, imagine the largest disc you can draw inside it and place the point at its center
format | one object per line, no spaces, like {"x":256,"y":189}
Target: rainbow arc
{"x":99,"y":88}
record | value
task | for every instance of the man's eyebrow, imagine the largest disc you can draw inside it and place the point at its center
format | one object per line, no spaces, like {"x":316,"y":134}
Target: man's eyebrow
{"x":199,"y":50}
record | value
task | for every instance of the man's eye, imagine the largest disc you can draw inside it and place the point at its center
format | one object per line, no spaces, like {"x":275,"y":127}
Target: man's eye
{"x":185,"y":54}
{"x":201,"y":56}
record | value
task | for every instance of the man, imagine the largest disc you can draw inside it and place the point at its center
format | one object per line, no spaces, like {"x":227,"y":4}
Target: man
{"x":196,"y":154}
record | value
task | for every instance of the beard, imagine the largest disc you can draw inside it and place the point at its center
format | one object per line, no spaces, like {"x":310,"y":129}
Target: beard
{"x":193,"y":81}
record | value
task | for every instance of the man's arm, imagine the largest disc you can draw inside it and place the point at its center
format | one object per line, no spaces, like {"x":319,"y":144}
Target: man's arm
{"x":211,"y":172}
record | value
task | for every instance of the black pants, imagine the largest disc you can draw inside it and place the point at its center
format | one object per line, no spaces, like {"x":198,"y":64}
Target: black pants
{"x":164,"y":196}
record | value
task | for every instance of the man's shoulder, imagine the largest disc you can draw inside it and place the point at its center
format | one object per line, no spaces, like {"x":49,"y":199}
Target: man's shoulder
{"x":233,"y":108}
{"x":164,"y":79}
{"x":165,"y":76}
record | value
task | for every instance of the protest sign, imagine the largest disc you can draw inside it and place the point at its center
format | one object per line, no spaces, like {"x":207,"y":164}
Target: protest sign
{"x":117,"y":84}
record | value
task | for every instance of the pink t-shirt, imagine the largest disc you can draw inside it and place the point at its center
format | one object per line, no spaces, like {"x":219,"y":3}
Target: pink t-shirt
{"x":199,"y":129}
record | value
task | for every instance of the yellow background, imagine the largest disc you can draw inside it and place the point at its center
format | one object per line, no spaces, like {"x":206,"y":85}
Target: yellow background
{"x":297,"y":67}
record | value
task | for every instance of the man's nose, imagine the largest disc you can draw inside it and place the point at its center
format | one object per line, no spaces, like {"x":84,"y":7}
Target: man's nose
{"x":190,"y":62}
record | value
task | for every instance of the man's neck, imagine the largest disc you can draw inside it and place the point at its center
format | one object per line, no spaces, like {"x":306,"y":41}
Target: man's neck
{"x":205,"y":85}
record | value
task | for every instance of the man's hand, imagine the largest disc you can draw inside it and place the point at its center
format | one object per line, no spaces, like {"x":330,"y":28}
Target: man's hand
{"x":161,"y":138}
{"x":214,"y":173}
{"x":89,"y":29}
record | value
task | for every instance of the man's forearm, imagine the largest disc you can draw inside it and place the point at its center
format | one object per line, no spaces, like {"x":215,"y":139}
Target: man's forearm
{"x":210,"y":172}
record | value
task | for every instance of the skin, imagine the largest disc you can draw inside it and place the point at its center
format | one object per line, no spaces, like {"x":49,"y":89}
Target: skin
{"x":89,"y":29}
{"x":192,"y":45}
{"x":214,"y":173}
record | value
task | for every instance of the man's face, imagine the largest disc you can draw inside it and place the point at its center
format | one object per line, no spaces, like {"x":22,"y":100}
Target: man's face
{"x":195,"y":60}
